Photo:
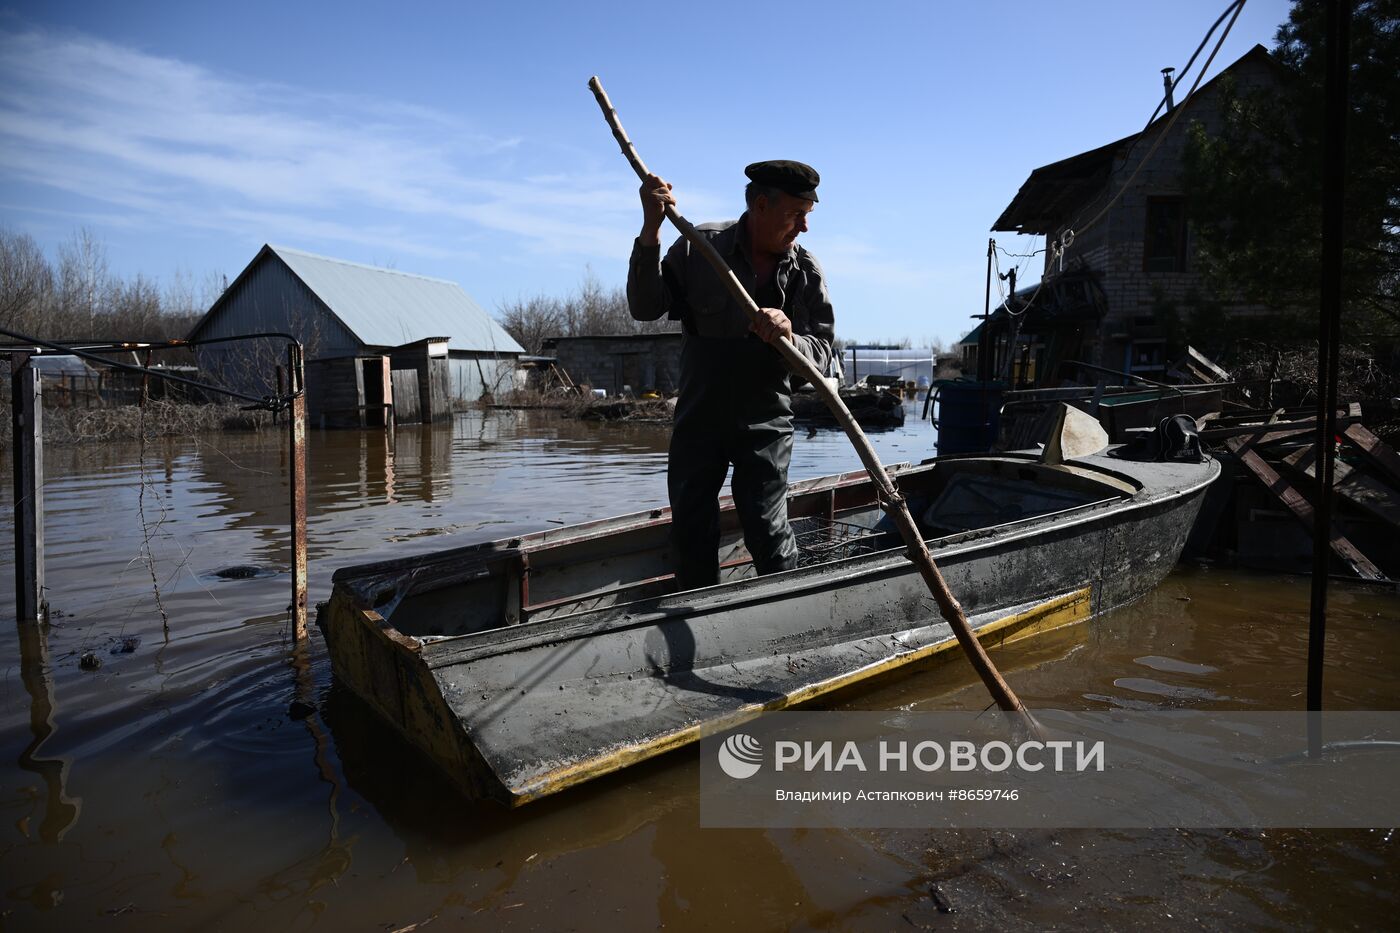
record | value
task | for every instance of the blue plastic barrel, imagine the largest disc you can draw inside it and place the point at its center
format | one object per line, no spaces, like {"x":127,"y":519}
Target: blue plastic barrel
{"x":968,"y":415}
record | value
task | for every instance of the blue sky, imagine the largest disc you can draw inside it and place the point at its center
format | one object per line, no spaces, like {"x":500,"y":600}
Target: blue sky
{"x":459,"y":140}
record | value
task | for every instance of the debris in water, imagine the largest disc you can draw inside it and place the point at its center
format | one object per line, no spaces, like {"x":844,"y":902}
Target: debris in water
{"x":239,"y":572}
{"x":89,"y":661}
{"x":940,"y":901}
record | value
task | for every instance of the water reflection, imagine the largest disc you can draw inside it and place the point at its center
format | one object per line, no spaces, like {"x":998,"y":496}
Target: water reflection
{"x":60,"y":811}
{"x":334,"y":859}
{"x":224,"y":781}
{"x":444,"y":834}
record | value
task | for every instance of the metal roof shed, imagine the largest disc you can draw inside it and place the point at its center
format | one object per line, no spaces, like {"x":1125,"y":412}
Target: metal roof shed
{"x":388,"y":308}
{"x":337,"y":308}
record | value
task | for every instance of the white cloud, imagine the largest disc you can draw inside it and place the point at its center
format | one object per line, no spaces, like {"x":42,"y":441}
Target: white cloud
{"x":119,"y":137}
{"x":173,"y":142}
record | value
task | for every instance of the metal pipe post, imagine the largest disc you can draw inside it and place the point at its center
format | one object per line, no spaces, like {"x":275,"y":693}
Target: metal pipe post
{"x":296,"y":427}
{"x":27,"y":425}
{"x":1329,"y":337}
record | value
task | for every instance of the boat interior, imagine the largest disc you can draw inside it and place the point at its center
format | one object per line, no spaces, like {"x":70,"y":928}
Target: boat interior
{"x":562,"y":572}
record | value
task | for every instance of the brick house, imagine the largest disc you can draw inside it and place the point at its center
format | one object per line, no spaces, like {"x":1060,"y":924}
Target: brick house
{"x":1108,"y":299}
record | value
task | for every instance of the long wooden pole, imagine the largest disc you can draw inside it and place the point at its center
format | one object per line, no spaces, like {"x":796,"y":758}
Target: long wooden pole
{"x":890,"y":498}
{"x":296,"y":433}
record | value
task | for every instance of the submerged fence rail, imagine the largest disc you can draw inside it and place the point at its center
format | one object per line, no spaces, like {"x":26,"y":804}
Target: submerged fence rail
{"x":27,"y":413}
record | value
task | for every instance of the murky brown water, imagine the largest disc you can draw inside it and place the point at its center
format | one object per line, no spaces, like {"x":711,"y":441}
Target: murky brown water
{"x":174,"y":789}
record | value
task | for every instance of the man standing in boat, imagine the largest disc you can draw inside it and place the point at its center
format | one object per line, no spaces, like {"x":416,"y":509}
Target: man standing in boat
{"x":735,"y":404}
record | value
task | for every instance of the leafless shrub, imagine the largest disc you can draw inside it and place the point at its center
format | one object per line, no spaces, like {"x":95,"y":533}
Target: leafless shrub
{"x":553,"y":397}
{"x":64,"y":426}
{"x":1360,"y":375}
{"x":615,"y":409}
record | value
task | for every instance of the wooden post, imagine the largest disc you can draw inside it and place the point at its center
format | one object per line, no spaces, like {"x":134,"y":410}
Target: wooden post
{"x":296,"y":427}
{"x":27,"y":426}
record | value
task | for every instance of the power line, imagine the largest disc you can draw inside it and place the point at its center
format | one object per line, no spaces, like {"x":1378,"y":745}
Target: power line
{"x":1181,"y":76}
{"x":1238,"y":7}
{"x":1056,"y":249}
{"x":1010,"y":255}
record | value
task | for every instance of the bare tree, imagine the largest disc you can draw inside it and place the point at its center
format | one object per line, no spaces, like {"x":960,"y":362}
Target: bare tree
{"x":592,"y":310}
{"x":81,"y":299}
{"x":83,"y":279}
{"x":179,"y":294}
{"x":531,"y":320}
{"x":132,"y":311}
{"x":26,"y":281}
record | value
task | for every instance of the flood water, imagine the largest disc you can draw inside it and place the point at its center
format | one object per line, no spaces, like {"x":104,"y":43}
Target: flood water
{"x":208,"y":776}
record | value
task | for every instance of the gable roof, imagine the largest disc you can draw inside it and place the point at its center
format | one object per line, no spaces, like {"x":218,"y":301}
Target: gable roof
{"x":385,"y":307}
{"x":388,"y":308}
{"x":1050,"y":190}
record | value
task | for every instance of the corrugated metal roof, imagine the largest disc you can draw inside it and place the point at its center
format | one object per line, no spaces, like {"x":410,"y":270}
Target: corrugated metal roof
{"x":385,"y":307}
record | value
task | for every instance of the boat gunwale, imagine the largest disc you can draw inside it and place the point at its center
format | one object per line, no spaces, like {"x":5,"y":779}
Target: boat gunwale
{"x":941,"y":541}
{"x":359,"y":578}
{"x":548,"y":538}
{"x":445,"y":651}
{"x":532,"y":541}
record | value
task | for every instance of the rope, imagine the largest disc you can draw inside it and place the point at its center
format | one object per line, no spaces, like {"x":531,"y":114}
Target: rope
{"x":141,"y":516}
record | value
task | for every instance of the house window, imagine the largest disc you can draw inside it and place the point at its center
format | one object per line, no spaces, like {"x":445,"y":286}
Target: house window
{"x":1164,"y":245}
{"x":1147,"y":355}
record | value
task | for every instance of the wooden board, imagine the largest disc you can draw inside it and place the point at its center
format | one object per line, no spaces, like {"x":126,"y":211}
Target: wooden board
{"x":1354,"y":486}
{"x":1378,"y":451}
{"x":1243,"y":448}
{"x":1221,"y":430}
{"x":406,"y":398}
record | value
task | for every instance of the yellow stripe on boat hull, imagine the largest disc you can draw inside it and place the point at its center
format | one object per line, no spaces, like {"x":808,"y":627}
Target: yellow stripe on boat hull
{"x":1068,"y":609}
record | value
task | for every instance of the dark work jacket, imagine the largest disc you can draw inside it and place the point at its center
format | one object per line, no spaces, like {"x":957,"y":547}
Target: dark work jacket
{"x":728,"y":375}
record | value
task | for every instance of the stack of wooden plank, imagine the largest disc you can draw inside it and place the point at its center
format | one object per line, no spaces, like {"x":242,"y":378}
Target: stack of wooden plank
{"x":1266,"y":517}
